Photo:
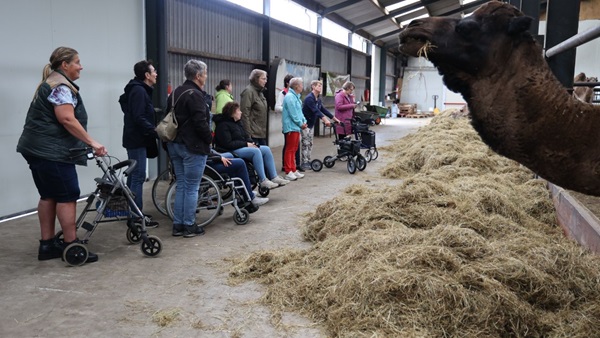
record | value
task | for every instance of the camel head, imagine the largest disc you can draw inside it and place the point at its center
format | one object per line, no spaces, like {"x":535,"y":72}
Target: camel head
{"x":469,"y":48}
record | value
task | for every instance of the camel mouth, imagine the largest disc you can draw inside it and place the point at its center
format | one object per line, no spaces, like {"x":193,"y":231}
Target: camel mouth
{"x":415,"y":45}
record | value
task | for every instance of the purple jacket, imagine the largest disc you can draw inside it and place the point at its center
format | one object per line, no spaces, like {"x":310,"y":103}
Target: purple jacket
{"x":344,"y":109}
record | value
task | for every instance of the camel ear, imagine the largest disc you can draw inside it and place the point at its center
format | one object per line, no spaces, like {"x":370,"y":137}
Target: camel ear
{"x":519,"y":24}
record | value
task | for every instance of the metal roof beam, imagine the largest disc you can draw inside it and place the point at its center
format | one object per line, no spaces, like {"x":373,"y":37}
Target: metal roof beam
{"x":339,"y":6}
{"x":395,"y":13}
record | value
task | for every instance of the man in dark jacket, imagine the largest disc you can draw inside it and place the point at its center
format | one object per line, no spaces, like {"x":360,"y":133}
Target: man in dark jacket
{"x":313,"y":111}
{"x":139,"y":136}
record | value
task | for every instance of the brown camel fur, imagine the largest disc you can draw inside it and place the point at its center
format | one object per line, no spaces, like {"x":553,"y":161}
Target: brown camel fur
{"x":517,"y":105}
{"x":583,"y":93}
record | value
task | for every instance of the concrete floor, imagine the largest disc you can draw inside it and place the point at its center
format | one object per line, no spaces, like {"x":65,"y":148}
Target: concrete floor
{"x":125,"y":292}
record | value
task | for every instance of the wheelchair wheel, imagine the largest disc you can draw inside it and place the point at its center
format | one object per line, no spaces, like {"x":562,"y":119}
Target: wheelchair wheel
{"x":159,"y":190}
{"x":316,"y":165}
{"x":351,"y":165}
{"x":134,"y":236}
{"x":75,"y":254}
{"x":361,"y":162}
{"x":152,"y":246}
{"x":368,"y":155}
{"x":263,"y":191}
{"x":375,"y":154}
{"x":242,"y":217}
{"x":209,"y":201}
{"x":329,"y":161}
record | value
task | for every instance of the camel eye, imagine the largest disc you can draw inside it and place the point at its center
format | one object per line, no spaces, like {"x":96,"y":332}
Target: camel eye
{"x":467,"y":28}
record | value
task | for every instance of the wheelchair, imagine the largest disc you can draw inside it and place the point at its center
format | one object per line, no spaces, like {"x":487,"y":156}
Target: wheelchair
{"x":215,"y":192}
{"x":111,"y":201}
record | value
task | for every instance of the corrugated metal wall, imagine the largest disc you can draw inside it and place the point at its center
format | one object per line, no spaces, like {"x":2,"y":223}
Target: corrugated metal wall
{"x":359,"y":64}
{"x":218,"y":70}
{"x":212,"y":27}
{"x":290,"y":44}
{"x":334,"y":58}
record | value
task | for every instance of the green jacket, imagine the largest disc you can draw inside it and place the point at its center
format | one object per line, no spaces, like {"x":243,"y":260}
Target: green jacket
{"x":221,"y":98}
{"x":253,"y":105}
{"x":43,"y":136}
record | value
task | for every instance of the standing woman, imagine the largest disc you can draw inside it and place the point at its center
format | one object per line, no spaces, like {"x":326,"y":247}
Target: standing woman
{"x":223,"y":95}
{"x":254,"y":107}
{"x":293,"y":121}
{"x":190,"y":148}
{"x":344,"y":108}
{"x":56,"y":122}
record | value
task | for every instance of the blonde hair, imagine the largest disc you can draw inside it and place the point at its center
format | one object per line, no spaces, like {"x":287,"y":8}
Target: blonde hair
{"x":57,"y":57}
{"x":315,"y":82}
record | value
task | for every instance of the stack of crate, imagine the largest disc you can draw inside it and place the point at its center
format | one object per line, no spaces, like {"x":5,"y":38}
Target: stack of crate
{"x":407,"y":109}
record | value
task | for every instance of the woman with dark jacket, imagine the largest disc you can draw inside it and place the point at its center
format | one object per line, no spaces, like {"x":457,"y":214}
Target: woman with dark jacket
{"x":139,"y":135}
{"x":231,"y":136}
{"x":190,"y":148}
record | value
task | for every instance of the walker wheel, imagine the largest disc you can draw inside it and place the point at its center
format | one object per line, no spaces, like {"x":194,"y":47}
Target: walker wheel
{"x":75,"y":254}
{"x":263,"y":191}
{"x":351,"y":165}
{"x":152,"y":246}
{"x":242,"y":217}
{"x":316,"y":165}
{"x":361,"y":162}
{"x":329,"y":161}
{"x":368,"y":155}
{"x":134,"y":236}
{"x":375,"y":154}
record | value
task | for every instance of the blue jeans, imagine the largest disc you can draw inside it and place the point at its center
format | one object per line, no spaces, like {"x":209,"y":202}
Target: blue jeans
{"x":189,"y":168}
{"x":262,"y":159}
{"x":135,"y":180}
{"x":237,"y":168}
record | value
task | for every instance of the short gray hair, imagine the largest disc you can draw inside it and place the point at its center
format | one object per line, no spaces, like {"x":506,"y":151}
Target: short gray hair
{"x":193,"y":68}
{"x":295,"y":81}
{"x":255,"y":74}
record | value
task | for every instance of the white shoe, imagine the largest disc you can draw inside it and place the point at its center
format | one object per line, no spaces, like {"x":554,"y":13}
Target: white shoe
{"x":290,"y":176}
{"x":258,"y":201}
{"x":299,"y":174}
{"x":268,"y":184}
{"x":280,"y":180}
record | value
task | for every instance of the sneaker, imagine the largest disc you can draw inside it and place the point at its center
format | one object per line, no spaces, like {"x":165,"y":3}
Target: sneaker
{"x":306,"y":166}
{"x":251,"y":207}
{"x":291,"y":176}
{"x":280,"y":180}
{"x":258,"y":201}
{"x":177,"y":230}
{"x":298,"y":174}
{"x":192,"y":231}
{"x":50,"y":249}
{"x":268,"y":184}
{"x":149,"y":222}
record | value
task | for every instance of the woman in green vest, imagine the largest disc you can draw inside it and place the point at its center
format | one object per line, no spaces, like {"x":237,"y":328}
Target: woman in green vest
{"x":56,"y":122}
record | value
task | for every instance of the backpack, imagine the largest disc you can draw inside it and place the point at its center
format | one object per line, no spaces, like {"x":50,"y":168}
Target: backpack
{"x":167,"y":127}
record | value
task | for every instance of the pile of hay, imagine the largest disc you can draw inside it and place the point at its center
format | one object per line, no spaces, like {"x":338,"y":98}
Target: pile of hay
{"x":465,"y":245}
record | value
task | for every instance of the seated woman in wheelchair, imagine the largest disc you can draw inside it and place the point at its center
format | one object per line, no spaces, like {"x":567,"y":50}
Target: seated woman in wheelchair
{"x":230,"y":136}
{"x":225,"y":163}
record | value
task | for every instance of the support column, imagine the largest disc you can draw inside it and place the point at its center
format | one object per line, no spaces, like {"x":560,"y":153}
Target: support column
{"x":382,"y":74}
{"x":563,"y":23}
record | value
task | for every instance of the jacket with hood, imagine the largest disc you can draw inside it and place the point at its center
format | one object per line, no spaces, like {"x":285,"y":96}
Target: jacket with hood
{"x":253,"y":105}
{"x":230,"y":135}
{"x":222,"y":97}
{"x":138,"y":115}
